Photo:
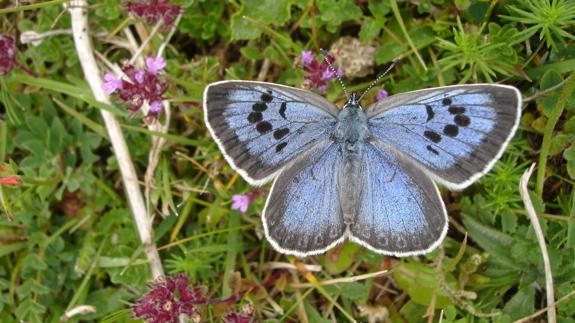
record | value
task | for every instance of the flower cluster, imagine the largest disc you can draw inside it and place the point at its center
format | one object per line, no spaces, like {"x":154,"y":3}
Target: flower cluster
{"x":317,"y":74}
{"x":143,"y":85}
{"x":242,"y":202}
{"x":169,"y":301}
{"x":154,"y":10}
{"x":7,"y":54}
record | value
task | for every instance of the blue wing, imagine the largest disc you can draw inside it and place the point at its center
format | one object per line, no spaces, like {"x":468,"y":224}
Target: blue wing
{"x":457,"y":132}
{"x":400,"y":210}
{"x":261,"y":126}
{"x":303,"y":215}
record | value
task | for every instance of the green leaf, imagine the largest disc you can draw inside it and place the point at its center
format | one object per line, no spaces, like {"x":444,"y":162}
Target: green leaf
{"x":37,"y":126}
{"x":270,"y":12}
{"x":558,"y":144}
{"x":33,"y":262}
{"x":6,"y":249}
{"x":251,"y":52}
{"x":338,"y":260}
{"x":353,"y":291}
{"x":333,"y":13}
{"x":496,"y":243}
{"x":522,"y":303}
{"x":29,"y":308}
{"x":420,"y":282}
{"x":370,"y":29}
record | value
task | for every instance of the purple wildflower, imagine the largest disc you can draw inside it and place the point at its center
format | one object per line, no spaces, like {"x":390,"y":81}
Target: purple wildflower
{"x":240,"y":202}
{"x":317,"y":74}
{"x":111,"y":83}
{"x":154,"y":10}
{"x":139,"y":76}
{"x":155,"y":107}
{"x":306,"y":57}
{"x":381,"y":94}
{"x":155,"y":65}
{"x":168,"y":301}
{"x":7,"y":54}
{"x":142,"y":86}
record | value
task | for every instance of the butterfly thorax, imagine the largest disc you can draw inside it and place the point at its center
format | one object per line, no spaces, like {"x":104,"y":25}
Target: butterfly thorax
{"x":351,"y":133}
{"x":351,"y":130}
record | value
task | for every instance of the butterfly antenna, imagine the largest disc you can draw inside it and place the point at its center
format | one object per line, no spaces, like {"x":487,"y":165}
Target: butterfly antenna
{"x":325,"y":58}
{"x":378,"y":78}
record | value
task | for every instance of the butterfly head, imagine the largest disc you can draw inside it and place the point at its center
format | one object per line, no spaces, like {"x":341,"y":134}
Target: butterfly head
{"x":353,"y":102}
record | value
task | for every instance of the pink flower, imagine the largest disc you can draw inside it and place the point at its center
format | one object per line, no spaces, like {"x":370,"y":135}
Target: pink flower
{"x":155,"y":108}
{"x":139,"y":76}
{"x":381,"y":94}
{"x":240,"y":202}
{"x":111,"y":83}
{"x":142,"y":86}
{"x":306,"y":57}
{"x":317,"y":74}
{"x":155,"y":65}
{"x":7,"y":54}
{"x":168,"y":301}
{"x":154,"y":10}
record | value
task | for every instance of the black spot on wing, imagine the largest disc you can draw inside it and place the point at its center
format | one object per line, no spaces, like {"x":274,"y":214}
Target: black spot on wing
{"x":456,"y":110}
{"x":283,"y":108}
{"x":446,"y":101}
{"x":432,"y":135}
{"x":432,"y":150}
{"x":430,"y":113}
{"x":267,"y":97}
{"x":451,"y":130}
{"x":254,"y":117}
{"x":462,"y":120}
{"x":264,"y":127}
{"x":259,"y":107}
{"x":281,"y":146}
{"x":280,"y":133}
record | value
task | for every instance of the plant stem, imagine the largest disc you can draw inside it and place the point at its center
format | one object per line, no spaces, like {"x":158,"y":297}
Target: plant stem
{"x":80,"y":30}
{"x":548,"y":133}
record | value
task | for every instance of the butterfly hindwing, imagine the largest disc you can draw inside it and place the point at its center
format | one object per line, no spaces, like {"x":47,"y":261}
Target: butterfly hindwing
{"x":456,"y":132}
{"x":400,"y":210}
{"x":262,"y":126}
{"x":303,"y":214}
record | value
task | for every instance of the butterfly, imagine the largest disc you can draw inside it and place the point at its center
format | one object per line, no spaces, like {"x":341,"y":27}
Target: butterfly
{"x":367,"y":175}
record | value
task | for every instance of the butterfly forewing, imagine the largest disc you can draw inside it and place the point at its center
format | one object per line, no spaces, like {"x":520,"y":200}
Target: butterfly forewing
{"x":260,"y":127}
{"x":303,"y":214}
{"x":456,"y":133}
{"x":400,"y":210}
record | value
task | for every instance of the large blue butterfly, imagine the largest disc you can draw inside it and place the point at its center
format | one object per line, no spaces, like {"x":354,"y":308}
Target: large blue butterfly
{"x":367,"y":176}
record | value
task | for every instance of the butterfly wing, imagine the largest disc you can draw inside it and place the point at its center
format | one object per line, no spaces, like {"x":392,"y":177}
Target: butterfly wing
{"x":303,"y":215}
{"x":261,"y":126}
{"x":400,"y":210}
{"x":456,"y":132}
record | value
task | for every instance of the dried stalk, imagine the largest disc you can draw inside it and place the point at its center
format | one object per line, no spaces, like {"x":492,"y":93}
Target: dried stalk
{"x":80,"y":28}
{"x":551,"y":313}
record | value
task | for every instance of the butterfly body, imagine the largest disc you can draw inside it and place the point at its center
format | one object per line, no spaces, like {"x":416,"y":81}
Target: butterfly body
{"x":367,"y":175}
{"x":351,"y":134}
